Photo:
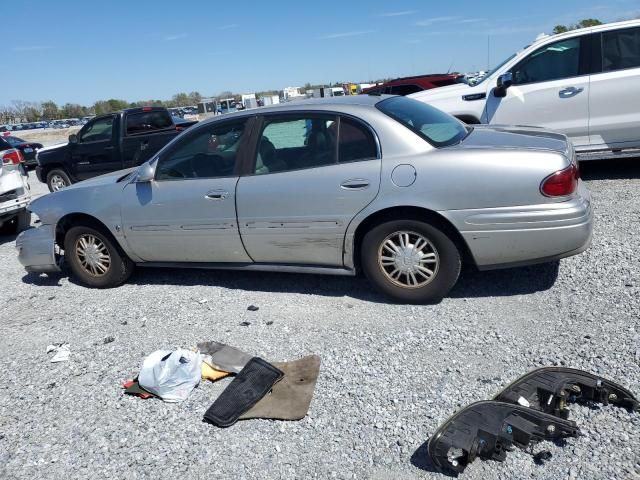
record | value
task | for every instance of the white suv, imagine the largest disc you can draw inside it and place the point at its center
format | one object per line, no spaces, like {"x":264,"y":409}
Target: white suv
{"x":584,"y":83}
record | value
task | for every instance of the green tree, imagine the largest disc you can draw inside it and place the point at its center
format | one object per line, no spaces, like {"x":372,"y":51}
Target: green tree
{"x":587,"y":22}
{"x":50,"y":110}
{"x":72,"y":110}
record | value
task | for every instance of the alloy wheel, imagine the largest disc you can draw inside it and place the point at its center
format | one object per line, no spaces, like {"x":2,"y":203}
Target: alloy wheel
{"x":57,"y":182}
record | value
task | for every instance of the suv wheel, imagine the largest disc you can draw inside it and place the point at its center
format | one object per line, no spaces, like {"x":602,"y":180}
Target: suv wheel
{"x":57,"y":179}
{"x":411,"y":261}
{"x":94,"y":259}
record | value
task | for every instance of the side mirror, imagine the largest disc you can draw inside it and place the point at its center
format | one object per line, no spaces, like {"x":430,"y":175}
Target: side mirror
{"x":504,"y":82}
{"x":73,"y":138}
{"x":145,"y":174}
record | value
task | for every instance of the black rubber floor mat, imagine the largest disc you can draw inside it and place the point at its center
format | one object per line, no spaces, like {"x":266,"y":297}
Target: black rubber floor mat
{"x":247,"y":388}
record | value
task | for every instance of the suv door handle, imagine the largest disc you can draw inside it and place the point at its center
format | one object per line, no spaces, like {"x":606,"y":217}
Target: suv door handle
{"x":109,"y":148}
{"x":216,"y":195}
{"x":570,"y":92}
{"x":355,"y":184}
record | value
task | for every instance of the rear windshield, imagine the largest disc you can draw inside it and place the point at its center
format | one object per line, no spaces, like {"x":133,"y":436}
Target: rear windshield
{"x":435,"y":126}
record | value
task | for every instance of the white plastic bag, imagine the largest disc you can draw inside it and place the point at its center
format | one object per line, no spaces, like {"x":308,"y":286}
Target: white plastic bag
{"x":171,"y":375}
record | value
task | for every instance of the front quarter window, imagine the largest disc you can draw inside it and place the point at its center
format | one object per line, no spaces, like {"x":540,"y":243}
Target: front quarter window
{"x":436,"y":127}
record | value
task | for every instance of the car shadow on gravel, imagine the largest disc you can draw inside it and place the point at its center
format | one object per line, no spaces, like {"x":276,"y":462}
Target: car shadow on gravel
{"x":507,"y":282}
{"x":627,"y":168}
{"x":43,"y":279}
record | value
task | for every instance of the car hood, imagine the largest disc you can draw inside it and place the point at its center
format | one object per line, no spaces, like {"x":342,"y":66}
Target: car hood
{"x":456,"y":90}
{"x":516,"y":138}
{"x":106,"y":179}
{"x":53,"y":147}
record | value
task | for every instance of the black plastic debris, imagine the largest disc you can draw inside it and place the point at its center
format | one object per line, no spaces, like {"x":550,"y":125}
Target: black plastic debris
{"x":488,"y":430}
{"x":253,"y":308}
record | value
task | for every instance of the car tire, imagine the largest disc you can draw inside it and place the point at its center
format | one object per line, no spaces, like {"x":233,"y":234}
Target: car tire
{"x":23,"y":221}
{"x":95,"y":261}
{"x":423,"y":268}
{"x":57,"y":179}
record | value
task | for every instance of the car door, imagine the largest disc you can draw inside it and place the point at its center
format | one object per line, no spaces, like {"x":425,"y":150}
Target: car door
{"x":295,"y":206}
{"x":550,"y":89}
{"x":615,"y":91}
{"x":95,"y":152}
{"x":187,"y":213}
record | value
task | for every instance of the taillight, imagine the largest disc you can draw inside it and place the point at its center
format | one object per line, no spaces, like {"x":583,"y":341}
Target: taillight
{"x":561,"y":183}
{"x":12,"y":157}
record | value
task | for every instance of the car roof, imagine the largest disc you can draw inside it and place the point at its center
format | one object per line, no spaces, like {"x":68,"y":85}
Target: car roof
{"x":582,"y":31}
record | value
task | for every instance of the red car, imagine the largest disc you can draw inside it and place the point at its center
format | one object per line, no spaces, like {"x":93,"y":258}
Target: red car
{"x":407,"y":85}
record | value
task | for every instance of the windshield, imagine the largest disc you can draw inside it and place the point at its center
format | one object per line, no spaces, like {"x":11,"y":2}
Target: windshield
{"x":481,"y":79}
{"x":436,"y":127}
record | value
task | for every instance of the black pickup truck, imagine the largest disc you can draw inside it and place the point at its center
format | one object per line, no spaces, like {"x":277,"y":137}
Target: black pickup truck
{"x":107,"y":143}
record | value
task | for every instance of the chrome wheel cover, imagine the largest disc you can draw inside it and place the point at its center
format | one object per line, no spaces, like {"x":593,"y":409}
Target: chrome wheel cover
{"x":408,"y":259}
{"x":93,"y":255}
{"x":57,"y":183}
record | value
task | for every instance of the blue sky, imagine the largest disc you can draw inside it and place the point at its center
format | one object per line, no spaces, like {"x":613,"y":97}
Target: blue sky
{"x":80,"y":51}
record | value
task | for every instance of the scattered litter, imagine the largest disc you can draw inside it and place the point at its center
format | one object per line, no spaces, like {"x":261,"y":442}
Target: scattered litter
{"x":253,"y":308}
{"x":132,"y":387}
{"x":270,"y":322}
{"x":171,"y":375}
{"x":244,"y":324}
{"x":109,"y":339}
{"x":124,"y":322}
{"x":204,"y":300}
{"x":62,"y":352}
{"x":541,"y":457}
{"x":51,"y":298}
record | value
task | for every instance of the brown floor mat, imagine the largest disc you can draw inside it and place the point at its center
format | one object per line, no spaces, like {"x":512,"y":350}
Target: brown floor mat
{"x":290,"y":397}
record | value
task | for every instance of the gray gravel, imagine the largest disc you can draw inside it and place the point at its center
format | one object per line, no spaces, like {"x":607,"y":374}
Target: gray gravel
{"x":390,"y":373}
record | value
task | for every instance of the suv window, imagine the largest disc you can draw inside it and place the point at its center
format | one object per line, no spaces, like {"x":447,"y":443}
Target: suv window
{"x":207,"y":152}
{"x":99,"y":129}
{"x":297,"y":142}
{"x":620,"y":49}
{"x":552,"y":62}
{"x":405,"y":89}
{"x":146,"y":122}
{"x":356,"y":142}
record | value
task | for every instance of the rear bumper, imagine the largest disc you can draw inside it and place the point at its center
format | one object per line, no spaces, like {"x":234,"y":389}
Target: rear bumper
{"x":509,"y":237}
{"x":36,"y":250}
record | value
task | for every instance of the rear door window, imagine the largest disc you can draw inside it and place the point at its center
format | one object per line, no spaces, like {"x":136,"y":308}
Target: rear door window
{"x":148,"y":122}
{"x":405,"y":89}
{"x":621,"y":49}
{"x":355,"y":142}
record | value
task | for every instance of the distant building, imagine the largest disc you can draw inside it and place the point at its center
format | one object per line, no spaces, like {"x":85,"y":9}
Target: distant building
{"x":292,"y":92}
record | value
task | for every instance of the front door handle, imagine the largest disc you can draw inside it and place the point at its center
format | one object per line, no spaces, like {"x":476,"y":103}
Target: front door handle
{"x":144,"y":145}
{"x":569,"y":92}
{"x":216,"y":195}
{"x":109,"y":148}
{"x":355,"y":184}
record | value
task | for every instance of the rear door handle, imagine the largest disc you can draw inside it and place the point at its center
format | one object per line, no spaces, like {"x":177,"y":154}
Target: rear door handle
{"x":355,"y":184}
{"x":570,"y":92}
{"x":216,"y":195}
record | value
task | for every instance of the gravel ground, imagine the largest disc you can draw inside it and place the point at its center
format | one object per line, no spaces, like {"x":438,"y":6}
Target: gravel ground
{"x":390,"y":374}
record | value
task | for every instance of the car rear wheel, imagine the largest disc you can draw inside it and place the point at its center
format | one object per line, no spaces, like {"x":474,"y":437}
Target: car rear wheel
{"x":57,"y":179}
{"x":94,"y":259}
{"x":411,"y":261}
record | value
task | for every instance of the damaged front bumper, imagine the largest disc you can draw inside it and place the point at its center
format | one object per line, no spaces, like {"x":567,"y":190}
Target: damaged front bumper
{"x":36,"y":249}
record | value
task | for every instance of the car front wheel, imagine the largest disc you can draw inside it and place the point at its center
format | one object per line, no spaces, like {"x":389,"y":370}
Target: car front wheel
{"x":94,"y":260}
{"x":411,"y":261}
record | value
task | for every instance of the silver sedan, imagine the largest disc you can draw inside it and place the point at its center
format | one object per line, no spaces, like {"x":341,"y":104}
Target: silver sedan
{"x":384,"y":185}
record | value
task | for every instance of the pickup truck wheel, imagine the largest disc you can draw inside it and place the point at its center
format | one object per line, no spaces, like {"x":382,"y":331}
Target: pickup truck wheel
{"x":411,"y":261}
{"x":94,"y":259}
{"x":57,"y":179}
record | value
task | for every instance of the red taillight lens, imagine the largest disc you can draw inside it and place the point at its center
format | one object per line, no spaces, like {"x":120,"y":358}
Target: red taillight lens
{"x":12,"y":157}
{"x":562,"y":183}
